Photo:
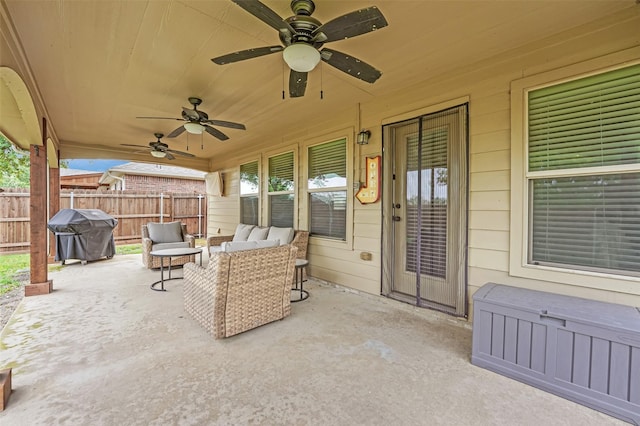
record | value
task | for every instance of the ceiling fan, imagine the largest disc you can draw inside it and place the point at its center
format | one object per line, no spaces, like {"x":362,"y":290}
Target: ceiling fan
{"x":303,"y":36}
{"x":197,"y":121}
{"x":160,"y":149}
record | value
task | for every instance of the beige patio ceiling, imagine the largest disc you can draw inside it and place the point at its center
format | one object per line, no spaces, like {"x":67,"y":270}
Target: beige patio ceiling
{"x":100,"y":64}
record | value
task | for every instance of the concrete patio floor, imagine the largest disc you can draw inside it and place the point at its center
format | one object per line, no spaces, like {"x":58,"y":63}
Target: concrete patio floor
{"x":103,"y":349}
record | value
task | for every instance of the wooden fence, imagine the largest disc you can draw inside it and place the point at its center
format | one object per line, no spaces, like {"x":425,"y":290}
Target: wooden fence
{"x":132,"y":210}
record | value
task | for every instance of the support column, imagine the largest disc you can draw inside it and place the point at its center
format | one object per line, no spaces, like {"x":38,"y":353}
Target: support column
{"x":38,"y":219}
{"x":54,"y":204}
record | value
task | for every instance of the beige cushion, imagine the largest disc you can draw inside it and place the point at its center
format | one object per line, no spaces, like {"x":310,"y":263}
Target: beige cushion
{"x":242,"y":232}
{"x":231,"y":246}
{"x":165,"y":232}
{"x":285,"y":235}
{"x":258,"y":234}
{"x":164,"y":246}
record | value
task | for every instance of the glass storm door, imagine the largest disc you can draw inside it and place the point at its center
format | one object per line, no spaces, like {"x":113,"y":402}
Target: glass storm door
{"x":425,"y":234}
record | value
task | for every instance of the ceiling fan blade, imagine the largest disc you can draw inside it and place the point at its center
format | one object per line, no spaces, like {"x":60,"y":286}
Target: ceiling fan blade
{"x":136,"y":146}
{"x":184,"y":154}
{"x":190,"y":113}
{"x":168,"y":156}
{"x":297,"y":83}
{"x":215,"y":132}
{"x":163,"y":118}
{"x":246,"y":54}
{"x":266,"y":15}
{"x":176,"y":132}
{"x":350,"y":25}
{"x":352,"y":66}
{"x":228,"y":124}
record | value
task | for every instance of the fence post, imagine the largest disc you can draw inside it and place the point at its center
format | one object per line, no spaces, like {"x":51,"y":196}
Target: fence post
{"x":199,"y":215}
{"x":161,"y":207}
{"x":71,"y":200}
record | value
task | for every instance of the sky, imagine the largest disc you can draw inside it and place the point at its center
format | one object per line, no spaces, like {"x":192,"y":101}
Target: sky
{"x":94,"y":165}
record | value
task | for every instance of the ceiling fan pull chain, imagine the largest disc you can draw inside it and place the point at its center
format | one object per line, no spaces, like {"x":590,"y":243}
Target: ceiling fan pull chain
{"x":321,"y":91}
{"x":283,"y":71}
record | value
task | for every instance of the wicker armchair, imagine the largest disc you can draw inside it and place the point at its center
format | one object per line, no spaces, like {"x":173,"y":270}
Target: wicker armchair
{"x":183,"y":240}
{"x":239,"y":291}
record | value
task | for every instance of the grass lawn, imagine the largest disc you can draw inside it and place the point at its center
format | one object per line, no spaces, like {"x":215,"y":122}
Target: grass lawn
{"x":129,"y":249}
{"x":9,"y":265}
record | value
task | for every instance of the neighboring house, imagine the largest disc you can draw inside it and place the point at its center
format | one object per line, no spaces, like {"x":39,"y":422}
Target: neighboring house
{"x":145,"y":177}
{"x":79,"y":179}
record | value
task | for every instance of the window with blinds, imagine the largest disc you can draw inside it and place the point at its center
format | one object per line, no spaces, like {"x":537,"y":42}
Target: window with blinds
{"x":249,"y":193}
{"x":327,"y":186}
{"x":584,"y":173}
{"x":281,"y":190}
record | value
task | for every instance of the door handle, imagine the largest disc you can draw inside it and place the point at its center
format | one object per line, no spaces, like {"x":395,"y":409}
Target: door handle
{"x":395,"y":218}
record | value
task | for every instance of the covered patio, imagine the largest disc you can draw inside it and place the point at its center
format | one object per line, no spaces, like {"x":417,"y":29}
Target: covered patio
{"x":105,"y":349}
{"x":97,"y":79}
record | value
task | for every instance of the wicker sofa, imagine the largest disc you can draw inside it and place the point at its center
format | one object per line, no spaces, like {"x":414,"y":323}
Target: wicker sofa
{"x":300,"y":238}
{"x":167,"y":235}
{"x":241,"y":290}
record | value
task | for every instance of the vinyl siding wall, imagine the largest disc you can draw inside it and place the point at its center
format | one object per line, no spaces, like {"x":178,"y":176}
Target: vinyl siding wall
{"x":487,"y":87}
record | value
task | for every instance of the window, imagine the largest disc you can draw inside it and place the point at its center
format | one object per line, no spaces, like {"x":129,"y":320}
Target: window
{"x":327,"y":186}
{"x":281,"y":190}
{"x":249,"y":193}
{"x":583,"y":173}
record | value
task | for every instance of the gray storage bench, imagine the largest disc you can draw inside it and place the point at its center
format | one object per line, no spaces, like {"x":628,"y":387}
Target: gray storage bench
{"x":583,"y":350}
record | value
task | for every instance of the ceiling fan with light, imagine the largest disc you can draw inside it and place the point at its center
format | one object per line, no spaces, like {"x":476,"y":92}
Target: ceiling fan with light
{"x":197,"y":122}
{"x":160,"y":149}
{"x":304,"y":36}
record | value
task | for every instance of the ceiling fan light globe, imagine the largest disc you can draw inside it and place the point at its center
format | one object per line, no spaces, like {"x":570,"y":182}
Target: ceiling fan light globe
{"x":159,"y":154}
{"x":301,"y":57}
{"x":194,"y":128}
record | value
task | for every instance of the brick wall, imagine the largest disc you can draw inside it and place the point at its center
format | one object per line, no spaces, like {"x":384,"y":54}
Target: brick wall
{"x":163,"y":184}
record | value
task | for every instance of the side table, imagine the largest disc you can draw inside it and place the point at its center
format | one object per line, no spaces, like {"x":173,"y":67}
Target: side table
{"x":301,"y":264}
{"x":162,"y":254}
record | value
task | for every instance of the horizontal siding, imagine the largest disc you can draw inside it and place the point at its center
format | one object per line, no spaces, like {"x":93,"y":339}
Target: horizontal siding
{"x":368,"y":244}
{"x":490,"y":259}
{"x":489,"y":200}
{"x":490,"y":122}
{"x":490,"y":220}
{"x":491,"y":240}
{"x":499,"y":140}
{"x":490,"y":181}
{"x":490,"y":161}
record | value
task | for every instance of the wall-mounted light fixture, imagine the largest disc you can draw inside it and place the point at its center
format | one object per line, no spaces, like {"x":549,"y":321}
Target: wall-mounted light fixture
{"x":363,"y":137}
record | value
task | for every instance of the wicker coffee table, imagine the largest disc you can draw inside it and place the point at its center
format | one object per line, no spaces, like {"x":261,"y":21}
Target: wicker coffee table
{"x":169,"y":253}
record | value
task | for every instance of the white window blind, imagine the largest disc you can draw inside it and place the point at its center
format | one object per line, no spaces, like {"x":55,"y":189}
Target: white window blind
{"x":430,"y":206}
{"x":587,"y":220}
{"x":280,"y":188}
{"x":594,"y":121}
{"x":327,"y":182}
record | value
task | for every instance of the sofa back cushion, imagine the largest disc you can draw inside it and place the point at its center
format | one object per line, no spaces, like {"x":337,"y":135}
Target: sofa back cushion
{"x":285,"y":235}
{"x":231,"y":246}
{"x":165,"y":232}
{"x":258,"y":234}
{"x":242,"y":232}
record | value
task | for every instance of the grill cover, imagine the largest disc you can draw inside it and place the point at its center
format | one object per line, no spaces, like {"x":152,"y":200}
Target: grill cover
{"x":84,"y":234}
